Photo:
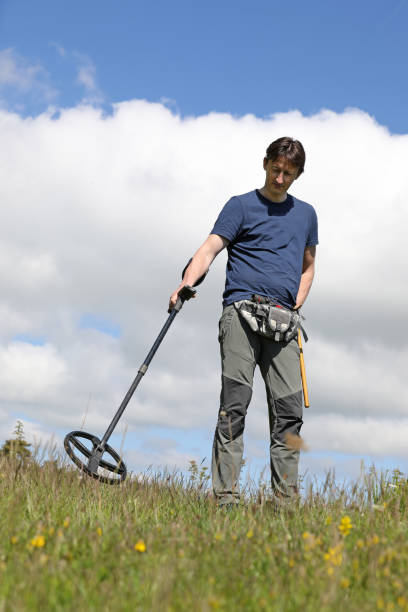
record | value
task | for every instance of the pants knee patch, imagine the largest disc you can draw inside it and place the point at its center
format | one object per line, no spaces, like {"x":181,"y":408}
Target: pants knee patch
{"x":235,"y":398}
{"x":289,"y":411}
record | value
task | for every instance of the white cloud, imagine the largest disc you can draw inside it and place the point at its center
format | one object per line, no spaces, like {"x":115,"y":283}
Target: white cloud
{"x":100,"y":214}
{"x":18,"y":73}
{"x":358,"y":436}
{"x":30,"y":373}
{"x":364,"y":379}
{"x":160,"y":456}
{"x":59,"y":49}
{"x":86,"y":76}
{"x":24,"y":82}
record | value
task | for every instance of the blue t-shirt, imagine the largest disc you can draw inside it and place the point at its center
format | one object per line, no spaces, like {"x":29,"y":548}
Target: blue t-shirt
{"x":267,"y":243}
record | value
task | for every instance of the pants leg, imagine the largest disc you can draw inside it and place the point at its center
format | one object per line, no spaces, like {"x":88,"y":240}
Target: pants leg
{"x":279,"y":363}
{"x":239,"y":353}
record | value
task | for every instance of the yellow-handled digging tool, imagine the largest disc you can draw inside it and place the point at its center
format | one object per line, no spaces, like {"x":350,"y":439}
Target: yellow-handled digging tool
{"x":303,"y":371}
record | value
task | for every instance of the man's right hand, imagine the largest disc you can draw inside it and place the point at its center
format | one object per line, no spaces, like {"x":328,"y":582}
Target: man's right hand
{"x":173,"y":300}
{"x":174,"y":296}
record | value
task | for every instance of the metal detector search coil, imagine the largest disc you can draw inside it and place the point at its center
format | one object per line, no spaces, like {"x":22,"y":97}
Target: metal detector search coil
{"x":75,"y":440}
{"x":95,"y":457}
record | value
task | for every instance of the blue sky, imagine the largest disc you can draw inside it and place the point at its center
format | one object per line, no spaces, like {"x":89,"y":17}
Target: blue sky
{"x":239,"y":57}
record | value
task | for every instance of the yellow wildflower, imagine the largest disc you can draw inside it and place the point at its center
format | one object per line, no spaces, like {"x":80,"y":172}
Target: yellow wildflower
{"x":345,"y":583}
{"x":402,"y":602}
{"x":38,"y":541}
{"x":140,"y":546}
{"x":291,"y":562}
{"x":380,"y":603}
{"x":250,"y":534}
{"x":360,"y":543}
{"x":330,"y":571}
{"x":65,"y":524}
{"x":306,"y":535}
{"x":99,"y":531}
{"x":334,"y":555}
{"x":14,"y":539}
{"x":218,"y":536}
{"x":345,"y":525}
{"x":329,"y":520}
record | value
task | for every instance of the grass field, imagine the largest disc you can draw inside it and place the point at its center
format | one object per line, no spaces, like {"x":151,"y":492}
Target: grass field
{"x":160,"y":543}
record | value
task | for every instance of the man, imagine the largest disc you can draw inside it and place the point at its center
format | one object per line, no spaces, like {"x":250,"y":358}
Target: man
{"x":271,"y":239}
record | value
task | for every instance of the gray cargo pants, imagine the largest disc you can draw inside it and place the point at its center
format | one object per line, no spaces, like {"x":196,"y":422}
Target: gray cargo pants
{"x":241,"y":350}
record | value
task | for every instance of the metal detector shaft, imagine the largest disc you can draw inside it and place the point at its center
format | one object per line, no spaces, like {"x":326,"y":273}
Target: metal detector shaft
{"x":184,"y":294}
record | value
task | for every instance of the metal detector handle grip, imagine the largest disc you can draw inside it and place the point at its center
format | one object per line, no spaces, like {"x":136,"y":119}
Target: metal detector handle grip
{"x":185,"y":293}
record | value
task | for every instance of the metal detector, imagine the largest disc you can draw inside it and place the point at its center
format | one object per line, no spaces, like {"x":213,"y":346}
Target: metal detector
{"x":91,"y":450}
{"x":94,"y":456}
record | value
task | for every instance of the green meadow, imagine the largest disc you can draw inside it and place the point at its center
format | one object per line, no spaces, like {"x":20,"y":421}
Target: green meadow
{"x":159,"y":542}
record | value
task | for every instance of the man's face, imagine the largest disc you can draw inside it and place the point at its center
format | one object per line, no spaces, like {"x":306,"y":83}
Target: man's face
{"x":280,"y":174}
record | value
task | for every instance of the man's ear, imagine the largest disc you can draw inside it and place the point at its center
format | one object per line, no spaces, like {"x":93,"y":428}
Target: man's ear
{"x":265,"y":162}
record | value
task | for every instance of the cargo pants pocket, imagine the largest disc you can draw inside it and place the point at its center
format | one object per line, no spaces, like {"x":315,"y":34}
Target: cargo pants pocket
{"x":224,"y":323}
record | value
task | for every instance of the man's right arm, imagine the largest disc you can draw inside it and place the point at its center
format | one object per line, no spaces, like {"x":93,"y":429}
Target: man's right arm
{"x":200,"y":263}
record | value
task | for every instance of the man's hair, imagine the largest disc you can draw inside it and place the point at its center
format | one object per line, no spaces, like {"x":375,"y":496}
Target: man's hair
{"x":291,"y":149}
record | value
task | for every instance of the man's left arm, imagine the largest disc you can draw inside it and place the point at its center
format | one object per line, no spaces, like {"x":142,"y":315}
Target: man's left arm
{"x":306,"y":279}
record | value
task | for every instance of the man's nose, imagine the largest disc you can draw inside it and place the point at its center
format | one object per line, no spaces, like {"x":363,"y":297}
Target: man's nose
{"x":279,"y":178}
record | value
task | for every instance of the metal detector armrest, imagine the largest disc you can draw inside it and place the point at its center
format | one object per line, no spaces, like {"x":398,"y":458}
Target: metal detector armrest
{"x":199,"y":280}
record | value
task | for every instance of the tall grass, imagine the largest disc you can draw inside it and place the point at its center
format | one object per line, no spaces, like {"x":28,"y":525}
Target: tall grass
{"x":160,"y":543}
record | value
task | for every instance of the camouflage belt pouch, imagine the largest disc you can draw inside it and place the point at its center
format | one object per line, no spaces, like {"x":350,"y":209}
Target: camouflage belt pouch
{"x":269,"y":319}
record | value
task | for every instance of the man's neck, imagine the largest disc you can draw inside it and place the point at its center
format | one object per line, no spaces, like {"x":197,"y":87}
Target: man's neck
{"x":276,"y":198}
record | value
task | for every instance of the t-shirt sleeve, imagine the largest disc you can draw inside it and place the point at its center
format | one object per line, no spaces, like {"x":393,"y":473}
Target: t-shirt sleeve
{"x":313,"y":236}
{"x":230,"y":220}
